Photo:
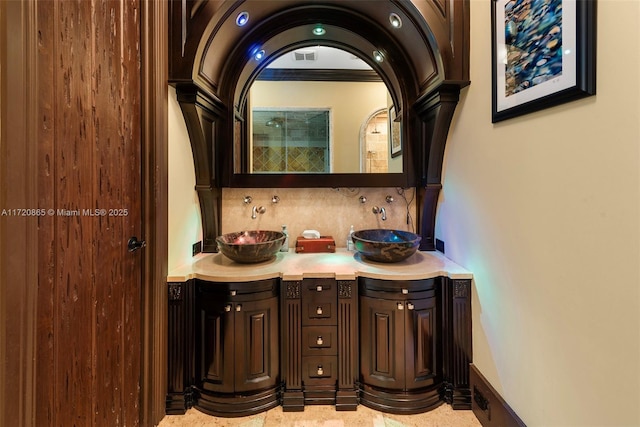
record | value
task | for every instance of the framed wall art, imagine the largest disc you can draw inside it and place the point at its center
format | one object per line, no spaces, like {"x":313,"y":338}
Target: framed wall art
{"x":395,"y":138}
{"x":543,"y":54}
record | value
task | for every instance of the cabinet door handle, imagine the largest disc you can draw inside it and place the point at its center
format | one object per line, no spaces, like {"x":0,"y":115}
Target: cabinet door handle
{"x":233,"y":293}
{"x":400,"y":306}
{"x":227,"y":307}
{"x":319,"y":310}
{"x":405,"y":291}
{"x":239,"y":307}
{"x":320,"y":370}
{"x":410,"y":306}
{"x":319,"y":288}
{"x":319,"y":341}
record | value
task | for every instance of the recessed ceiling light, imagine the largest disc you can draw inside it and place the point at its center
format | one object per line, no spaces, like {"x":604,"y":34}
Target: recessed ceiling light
{"x":395,"y":20}
{"x":378,"y":56}
{"x":242,"y":19}
{"x":319,"y":30}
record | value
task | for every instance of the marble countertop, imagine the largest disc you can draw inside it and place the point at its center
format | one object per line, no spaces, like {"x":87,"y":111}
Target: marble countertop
{"x":341,"y":265}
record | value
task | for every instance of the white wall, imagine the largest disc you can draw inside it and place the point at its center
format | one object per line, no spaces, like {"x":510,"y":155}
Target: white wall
{"x":545,"y":210}
{"x":185,"y":226}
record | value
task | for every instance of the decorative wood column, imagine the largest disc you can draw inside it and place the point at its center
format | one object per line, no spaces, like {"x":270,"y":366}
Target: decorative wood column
{"x":291,"y":341}
{"x":348,"y":354}
{"x":180,"y":348}
{"x":458,"y":354}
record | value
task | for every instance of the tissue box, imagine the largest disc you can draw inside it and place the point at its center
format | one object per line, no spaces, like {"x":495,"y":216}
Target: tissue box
{"x":323,"y":244}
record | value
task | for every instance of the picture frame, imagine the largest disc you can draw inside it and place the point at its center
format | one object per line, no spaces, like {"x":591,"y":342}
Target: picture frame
{"x":395,"y":134}
{"x":543,"y":54}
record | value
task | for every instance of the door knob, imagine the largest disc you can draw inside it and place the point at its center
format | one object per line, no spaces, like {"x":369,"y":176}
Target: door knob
{"x":134,"y":244}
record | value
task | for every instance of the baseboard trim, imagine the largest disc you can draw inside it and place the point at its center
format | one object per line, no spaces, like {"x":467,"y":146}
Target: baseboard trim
{"x":488,"y":406}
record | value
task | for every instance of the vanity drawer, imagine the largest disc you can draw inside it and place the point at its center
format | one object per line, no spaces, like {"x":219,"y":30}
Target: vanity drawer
{"x":319,"y":290}
{"x":398,"y":289}
{"x":319,"y":340}
{"x":319,"y":313}
{"x":319,"y":370}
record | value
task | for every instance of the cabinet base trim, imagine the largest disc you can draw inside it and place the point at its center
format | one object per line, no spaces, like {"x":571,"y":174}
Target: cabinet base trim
{"x":292,"y":401}
{"x":400,"y":402}
{"x":221,"y":405}
{"x":347,"y":400}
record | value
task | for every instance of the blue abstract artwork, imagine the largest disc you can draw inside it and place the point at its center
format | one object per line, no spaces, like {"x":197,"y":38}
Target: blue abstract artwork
{"x":533,"y":39}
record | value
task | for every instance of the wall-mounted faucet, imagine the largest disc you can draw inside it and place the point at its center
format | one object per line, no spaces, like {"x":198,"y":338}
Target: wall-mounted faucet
{"x":363,"y":199}
{"x":383,"y":213}
{"x":247,"y":200}
{"x":257,"y":210}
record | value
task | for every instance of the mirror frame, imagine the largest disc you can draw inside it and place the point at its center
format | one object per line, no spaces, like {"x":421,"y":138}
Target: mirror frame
{"x":276,"y":40}
{"x":251,"y":179}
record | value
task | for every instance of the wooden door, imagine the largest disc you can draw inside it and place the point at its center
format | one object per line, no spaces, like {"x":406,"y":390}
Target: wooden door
{"x":421,"y":343}
{"x":382,"y":336}
{"x":89,"y":182}
{"x":257,"y":346}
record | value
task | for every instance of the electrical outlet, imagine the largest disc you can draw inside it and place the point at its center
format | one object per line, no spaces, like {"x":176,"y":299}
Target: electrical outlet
{"x":482,"y":402}
{"x":439,"y":245}
{"x":196,"y":248}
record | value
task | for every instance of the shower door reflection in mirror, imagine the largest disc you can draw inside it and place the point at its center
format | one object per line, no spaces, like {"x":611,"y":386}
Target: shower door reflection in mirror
{"x":291,"y":141}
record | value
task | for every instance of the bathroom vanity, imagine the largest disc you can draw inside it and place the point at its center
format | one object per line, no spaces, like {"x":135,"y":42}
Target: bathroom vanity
{"x":328,"y":328}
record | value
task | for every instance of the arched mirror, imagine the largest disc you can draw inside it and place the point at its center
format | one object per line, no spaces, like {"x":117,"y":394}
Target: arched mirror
{"x":306,"y":112}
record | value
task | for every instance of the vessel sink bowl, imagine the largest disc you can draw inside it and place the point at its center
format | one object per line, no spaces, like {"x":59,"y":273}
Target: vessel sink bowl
{"x":250,"y":246}
{"x":386,"y":245}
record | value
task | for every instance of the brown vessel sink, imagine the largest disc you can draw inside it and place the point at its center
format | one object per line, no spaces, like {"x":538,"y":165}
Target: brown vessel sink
{"x":386,"y":245}
{"x":250,"y":246}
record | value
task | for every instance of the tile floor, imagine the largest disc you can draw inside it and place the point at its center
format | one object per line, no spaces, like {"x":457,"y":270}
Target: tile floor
{"x":327,"y":416}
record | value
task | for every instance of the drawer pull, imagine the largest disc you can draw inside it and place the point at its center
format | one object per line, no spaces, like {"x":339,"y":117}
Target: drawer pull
{"x":239,"y":307}
{"x":233,"y":293}
{"x":319,"y":341}
{"x":320,"y":370}
{"x":410,"y":306}
{"x":400,"y":306}
{"x":319,"y":288}
{"x":319,"y":310}
{"x":227,"y":307}
{"x":405,"y":291}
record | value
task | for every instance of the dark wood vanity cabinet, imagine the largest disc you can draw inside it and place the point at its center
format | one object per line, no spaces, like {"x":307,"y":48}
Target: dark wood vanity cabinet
{"x":415,"y":344}
{"x":233,"y":348}
{"x":400,"y":347}
{"x":319,"y":325}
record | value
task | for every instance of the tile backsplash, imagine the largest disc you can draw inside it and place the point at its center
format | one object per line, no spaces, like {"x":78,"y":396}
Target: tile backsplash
{"x":331,"y":211}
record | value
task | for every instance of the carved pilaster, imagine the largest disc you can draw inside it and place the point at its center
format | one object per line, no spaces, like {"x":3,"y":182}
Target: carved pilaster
{"x":291,"y":341}
{"x":457,"y":344}
{"x":179,"y":347}
{"x":346,"y":395}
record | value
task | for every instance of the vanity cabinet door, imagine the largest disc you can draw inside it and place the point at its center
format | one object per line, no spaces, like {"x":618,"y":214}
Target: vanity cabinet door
{"x":215,"y":350}
{"x":420,"y":343}
{"x":237,"y":342}
{"x":257,"y":346}
{"x":382,"y":343}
